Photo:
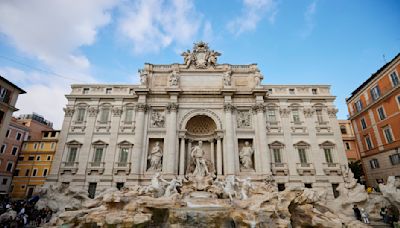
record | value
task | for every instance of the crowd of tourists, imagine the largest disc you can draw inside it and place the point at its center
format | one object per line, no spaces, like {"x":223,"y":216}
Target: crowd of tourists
{"x":22,"y":213}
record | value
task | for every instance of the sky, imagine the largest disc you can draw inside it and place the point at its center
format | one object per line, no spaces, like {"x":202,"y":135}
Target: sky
{"x":47,"y":45}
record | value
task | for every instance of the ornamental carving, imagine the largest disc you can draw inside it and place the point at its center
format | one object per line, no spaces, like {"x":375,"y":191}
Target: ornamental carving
{"x":284,"y":112}
{"x":228,"y":107}
{"x":157,"y":119}
{"x":172,"y":107}
{"x":332,"y":112}
{"x":243,"y":119}
{"x":174,"y":79}
{"x":201,"y":57}
{"x":93,"y":111}
{"x":117,"y":111}
{"x":258,"y":107}
{"x":141,"y":107}
{"x":227,"y":78}
{"x":143,"y":77}
{"x":69,"y":111}
{"x":308,"y":112}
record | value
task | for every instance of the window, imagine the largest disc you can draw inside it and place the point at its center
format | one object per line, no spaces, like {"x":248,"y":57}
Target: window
{"x":368,"y":142}
{"x":85,"y":90}
{"x":123,"y":156}
{"x":53,"y":145}
{"x":398,"y":100}
{"x":53,"y":134}
{"x":8,"y":133}
{"x":46,"y":134}
{"x":359,"y":105}
{"x":105,"y":112}
{"x":302,"y":155}
{"x":277,"y":155}
{"x":374,"y":163}
{"x":128,"y":115}
{"x":19,"y":136}
{"x":92,"y":190}
{"x":281,"y":187}
{"x":394,"y":78}
{"x":381,"y":113}
{"x":307,"y":185}
{"x":34,"y":172}
{"x":98,"y":155}
{"x":35,"y":146}
{"x":20,"y":158}
{"x":4,"y":182}
{"x":291,"y":91}
{"x":16,"y":172}
{"x":14,"y":150}
{"x":271,"y":115}
{"x":363,"y":124}
{"x":38,"y":158}
{"x":120,"y":185}
{"x":314,"y":91}
{"x":27,"y":172}
{"x":347,"y":146}
{"x":80,"y":116}
{"x":335,"y":191}
{"x":3,"y":148}
{"x":9,"y":166}
{"x":72,"y":155}
{"x":388,"y":134}
{"x":131,"y":91}
{"x":296,"y":116}
{"x":41,"y":145}
{"x":45,"y":172}
{"x":31,"y":158}
{"x":48,"y":157}
{"x":394,"y":159}
{"x":319,"y":115}
{"x":108,"y":90}
{"x":343,"y":129}
{"x":328,"y":155}
{"x":375,"y":93}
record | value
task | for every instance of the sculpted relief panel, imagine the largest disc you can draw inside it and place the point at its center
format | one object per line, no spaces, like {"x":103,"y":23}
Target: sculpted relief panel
{"x":157,"y":119}
{"x":244,"y":119}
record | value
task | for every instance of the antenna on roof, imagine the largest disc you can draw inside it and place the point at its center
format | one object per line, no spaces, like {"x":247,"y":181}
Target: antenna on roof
{"x":384,"y":58}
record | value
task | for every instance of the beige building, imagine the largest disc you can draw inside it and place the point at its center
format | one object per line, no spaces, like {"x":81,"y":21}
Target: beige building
{"x":349,"y":141}
{"x":120,"y":135}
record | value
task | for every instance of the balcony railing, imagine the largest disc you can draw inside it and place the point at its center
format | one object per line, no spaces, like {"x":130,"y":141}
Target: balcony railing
{"x":96,"y":166}
{"x":303,"y":168}
{"x":331,"y":168}
{"x":123,"y":167}
{"x":71,"y":166}
{"x":280,"y":168}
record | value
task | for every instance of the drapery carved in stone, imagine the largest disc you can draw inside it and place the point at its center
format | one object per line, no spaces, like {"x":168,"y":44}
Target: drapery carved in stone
{"x":243,"y":119}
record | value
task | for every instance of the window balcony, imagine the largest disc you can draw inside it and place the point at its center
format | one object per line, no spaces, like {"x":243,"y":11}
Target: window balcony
{"x":305,"y":168}
{"x":69,"y":166}
{"x":96,"y":166}
{"x":122,"y":167}
{"x":331,"y":168}
{"x":280,"y":168}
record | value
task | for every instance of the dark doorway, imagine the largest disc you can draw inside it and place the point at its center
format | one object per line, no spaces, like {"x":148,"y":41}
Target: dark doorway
{"x":92,"y":190}
{"x":335,"y":191}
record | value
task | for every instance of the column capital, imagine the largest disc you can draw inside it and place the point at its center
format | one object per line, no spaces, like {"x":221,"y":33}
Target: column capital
{"x":141,"y":107}
{"x":284,"y":112}
{"x":228,"y":107}
{"x":258,"y":107}
{"x":117,"y":111}
{"x":308,"y":112}
{"x":332,"y":112}
{"x":172,"y":106}
{"x":93,"y":111}
{"x":69,"y":111}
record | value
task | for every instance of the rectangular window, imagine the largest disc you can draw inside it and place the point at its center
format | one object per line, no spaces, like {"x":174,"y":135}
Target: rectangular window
{"x":398,"y":100}
{"x":108,"y":90}
{"x":104,"y":115}
{"x":8,"y":133}
{"x":9,"y":166}
{"x":3,"y":148}
{"x":381,"y":113}
{"x":85,"y":90}
{"x":281,"y":187}
{"x":271,"y":115}
{"x":277,"y":155}
{"x":328,"y":155}
{"x":14,"y":150}
{"x":128,"y":115}
{"x":34,"y":172}
{"x":19,"y":136}
{"x":38,"y":158}
{"x":314,"y":91}
{"x":394,"y":78}
{"x":368,"y":142}
{"x":123,"y":155}
{"x":375,"y":93}
{"x":72,"y":155}
{"x":21,"y":158}
{"x":80,"y":116}
{"x":363,"y":124}
{"x":41,"y":146}
{"x":374,"y":163}
{"x":302,"y":155}
{"x":48,"y":157}
{"x":31,"y":158}
{"x":335,"y":191}
{"x":35,"y":146}
{"x":307,"y":185}
{"x":394,"y":159}
{"x":4,"y":182}
{"x":92,"y":190}
{"x":16,"y":172}
{"x":347,"y":146}
{"x":98,"y":155}
{"x":296,"y":116}
{"x":53,"y":145}
{"x":359,"y":105}
{"x":343,"y":129}
{"x":319,"y":116}
{"x":45,"y":172}
{"x":388,"y":134}
{"x":291,"y":91}
{"x":27,"y":172}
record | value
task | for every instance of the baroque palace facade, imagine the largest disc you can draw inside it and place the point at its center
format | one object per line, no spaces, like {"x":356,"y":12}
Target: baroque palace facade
{"x":121,"y":135}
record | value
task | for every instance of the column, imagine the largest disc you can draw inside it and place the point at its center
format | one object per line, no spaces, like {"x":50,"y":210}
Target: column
{"x":229,"y":159}
{"x":170,"y":165}
{"x":182,"y":157}
{"x":219,"y":156}
{"x":138,"y":149}
{"x":212,"y":152}
{"x":263,"y":155}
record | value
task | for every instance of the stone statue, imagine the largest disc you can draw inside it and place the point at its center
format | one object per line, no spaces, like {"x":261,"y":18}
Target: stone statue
{"x":143,"y":77}
{"x":245,"y":187}
{"x":245,"y":155}
{"x":155,"y":157}
{"x":187,"y":58}
{"x":212,"y":59}
{"x":157,"y":119}
{"x":174,"y":79}
{"x":227,"y":78}
{"x":258,"y":77}
{"x":197,"y":155}
{"x":155,"y":186}
{"x":171,"y":188}
{"x":230,"y":186}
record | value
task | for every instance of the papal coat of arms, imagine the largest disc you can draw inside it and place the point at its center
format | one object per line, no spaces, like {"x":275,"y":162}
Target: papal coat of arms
{"x":201,"y":57}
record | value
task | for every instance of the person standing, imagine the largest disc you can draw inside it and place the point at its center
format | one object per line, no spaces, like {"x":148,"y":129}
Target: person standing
{"x":357,"y":212}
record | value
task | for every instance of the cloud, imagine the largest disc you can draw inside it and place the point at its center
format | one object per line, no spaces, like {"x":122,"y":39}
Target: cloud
{"x":151,"y":25}
{"x":51,"y":32}
{"x":309,"y":19}
{"x":253,"y":11}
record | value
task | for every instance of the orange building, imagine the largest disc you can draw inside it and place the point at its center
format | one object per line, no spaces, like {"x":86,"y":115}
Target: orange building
{"x":374,"y":109}
{"x":349,"y":141}
{"x":34,"y":163}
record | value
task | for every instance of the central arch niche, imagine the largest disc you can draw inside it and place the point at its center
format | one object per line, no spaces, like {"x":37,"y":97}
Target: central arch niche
{"x":201,"y":125}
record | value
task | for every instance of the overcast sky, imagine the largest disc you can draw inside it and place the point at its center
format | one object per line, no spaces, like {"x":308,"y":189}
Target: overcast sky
{"x":46,"y":45}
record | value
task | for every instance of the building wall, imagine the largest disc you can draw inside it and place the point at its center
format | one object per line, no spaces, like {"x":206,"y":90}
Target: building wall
{"x":388,"y":99}
{"x":35,"y":127}
{"x":35,"y":155}
{"x":10,"y":155}
{"x":349,"y":141}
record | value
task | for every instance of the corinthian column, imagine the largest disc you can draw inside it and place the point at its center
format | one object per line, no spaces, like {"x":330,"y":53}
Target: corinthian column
{"x":261,"y":156}
{"x":229,"y":151}
{"x":170,"y":165}
{"x":138,"y":147}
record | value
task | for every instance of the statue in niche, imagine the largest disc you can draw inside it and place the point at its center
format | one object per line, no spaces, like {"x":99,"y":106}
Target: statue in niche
{"x":174,"y":79}
{"x":245,"y":155}
{"x":157,"y":119}
{"x":155,"y":157}
{"x":197,"y":154}
{"x":258,"y":77}
{"x":143,"y":77}
{"x":243,"y":119}
{"x":227,"y":78}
